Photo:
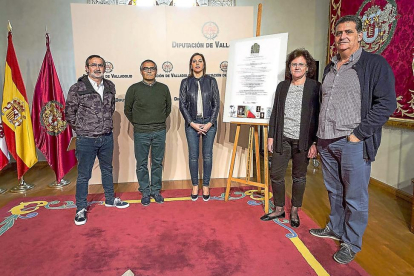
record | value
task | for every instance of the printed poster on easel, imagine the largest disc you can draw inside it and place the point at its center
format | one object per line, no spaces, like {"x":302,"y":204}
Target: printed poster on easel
{"x":256,"y":66}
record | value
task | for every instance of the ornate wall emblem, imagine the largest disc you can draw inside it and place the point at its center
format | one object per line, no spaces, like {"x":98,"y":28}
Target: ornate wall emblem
{"x":223,"y":66}
{"x":108,"y":67}
{"x":15,"y":112}
{"x":51,"y":118}
{"x":210,"y":30}
{"x":167,"y":67}
{"x":378,"y":25}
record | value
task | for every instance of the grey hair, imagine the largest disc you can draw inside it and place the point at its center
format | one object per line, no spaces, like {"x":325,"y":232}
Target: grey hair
{"x":147,"y":60}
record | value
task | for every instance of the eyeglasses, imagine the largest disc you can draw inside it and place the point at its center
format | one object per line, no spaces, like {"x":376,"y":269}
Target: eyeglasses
{"x":148,"y":69}
{"x":300,"y":65}
{"x":96,"y":65}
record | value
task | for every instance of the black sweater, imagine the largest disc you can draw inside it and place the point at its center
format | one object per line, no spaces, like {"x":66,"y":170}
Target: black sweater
{"x":309,"y":115}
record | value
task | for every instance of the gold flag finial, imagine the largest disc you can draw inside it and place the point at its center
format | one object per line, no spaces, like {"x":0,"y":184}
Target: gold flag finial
{"x":9,"y":27}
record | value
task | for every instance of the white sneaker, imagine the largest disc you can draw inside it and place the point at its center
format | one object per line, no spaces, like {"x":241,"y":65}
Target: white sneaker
{"x":118,"y":203}
{"x":80,"y":218}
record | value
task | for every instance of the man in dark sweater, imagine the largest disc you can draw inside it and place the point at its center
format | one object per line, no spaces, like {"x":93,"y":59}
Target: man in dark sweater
{"x":147,"y":106}
{"x":358,"y":96}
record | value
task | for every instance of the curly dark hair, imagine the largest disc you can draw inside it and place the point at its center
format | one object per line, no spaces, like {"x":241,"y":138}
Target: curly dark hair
{"x":309,"y":61}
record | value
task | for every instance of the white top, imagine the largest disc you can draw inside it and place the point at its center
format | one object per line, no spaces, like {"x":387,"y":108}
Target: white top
{"x":199,"y":101}
{"x":98,"y":88}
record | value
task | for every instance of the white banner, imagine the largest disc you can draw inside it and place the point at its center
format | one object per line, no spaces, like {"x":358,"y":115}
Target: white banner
{"x":127,"y":35}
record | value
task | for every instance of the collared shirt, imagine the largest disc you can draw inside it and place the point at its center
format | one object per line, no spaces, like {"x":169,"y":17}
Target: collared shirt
{"x":293,"y":109}
{"x":98,"y":87}
{"x":149,"y":84}
{"x":340,"y":111}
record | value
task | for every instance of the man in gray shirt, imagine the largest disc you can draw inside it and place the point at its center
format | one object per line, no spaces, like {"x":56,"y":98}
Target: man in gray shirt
{"x":358,"y":96}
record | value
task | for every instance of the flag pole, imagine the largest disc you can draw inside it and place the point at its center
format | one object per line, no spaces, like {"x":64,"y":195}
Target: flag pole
{"x":22,"y":188}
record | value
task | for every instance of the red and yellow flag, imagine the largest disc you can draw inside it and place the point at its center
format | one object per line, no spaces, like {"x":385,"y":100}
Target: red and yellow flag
{"x":15,"y":115}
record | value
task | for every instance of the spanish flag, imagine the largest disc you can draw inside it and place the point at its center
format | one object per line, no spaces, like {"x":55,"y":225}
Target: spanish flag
{"x":15,"y":115}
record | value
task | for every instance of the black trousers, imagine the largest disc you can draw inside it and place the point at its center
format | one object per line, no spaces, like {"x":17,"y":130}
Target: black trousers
{"x":280,"y":162}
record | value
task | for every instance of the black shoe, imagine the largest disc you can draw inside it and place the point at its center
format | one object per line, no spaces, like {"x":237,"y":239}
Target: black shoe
{"x":294,"y":222}
{"x":344,"y":255}
{"x":268,"y":217}
{"x":194,"y":197}
{"x":158,"y":198}
{"x":145,"y":200}
{"x":206,"y":197}
{"x":325,"y":233}
{"x":80,"y":217}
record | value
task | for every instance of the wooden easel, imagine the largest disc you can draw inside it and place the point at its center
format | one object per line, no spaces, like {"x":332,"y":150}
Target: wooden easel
{"x":253,"y":135}
{"x":253,"y":132}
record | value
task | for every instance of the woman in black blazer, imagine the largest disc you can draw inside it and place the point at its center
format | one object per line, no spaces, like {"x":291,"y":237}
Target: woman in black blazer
{"x":200,"y":105}
{"x":292,"y":131}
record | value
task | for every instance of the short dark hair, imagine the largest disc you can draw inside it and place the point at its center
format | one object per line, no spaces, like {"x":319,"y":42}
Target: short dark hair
{"x":310,"y":62}
{"x":147,"y":60}
{"x":350,"y":18}
{"x":204,"y":61}
{"x":94,"y":56}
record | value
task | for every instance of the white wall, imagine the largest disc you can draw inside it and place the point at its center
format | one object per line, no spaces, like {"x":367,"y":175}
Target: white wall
{"x":394,"y":164}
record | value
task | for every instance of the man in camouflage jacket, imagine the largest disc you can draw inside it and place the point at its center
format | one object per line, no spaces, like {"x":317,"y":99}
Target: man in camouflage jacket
{"x":89,"y":108}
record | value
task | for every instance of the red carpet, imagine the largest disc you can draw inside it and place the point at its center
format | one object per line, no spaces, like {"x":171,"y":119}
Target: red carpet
{"x":175,"y":238}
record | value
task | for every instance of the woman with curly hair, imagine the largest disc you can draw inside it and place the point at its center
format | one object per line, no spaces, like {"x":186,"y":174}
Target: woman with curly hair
{"x":292,"y":131}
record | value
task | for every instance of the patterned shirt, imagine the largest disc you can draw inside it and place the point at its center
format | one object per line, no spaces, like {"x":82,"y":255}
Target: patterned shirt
{"x":340,"y":110}
{"x":293,"y":108}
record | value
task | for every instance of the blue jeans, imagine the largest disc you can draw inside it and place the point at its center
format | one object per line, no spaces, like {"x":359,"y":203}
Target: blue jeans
{"x":346,"y":175}
{"x":87,"y":149}
{"x":193,"y":141}
{"x":143,"y":141}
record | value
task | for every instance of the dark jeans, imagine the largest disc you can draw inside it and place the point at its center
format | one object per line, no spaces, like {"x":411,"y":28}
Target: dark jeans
{"x":193,"y":141}
{"x":346,"y":175}
{"x":280,"y":162}
{"x":143,"y":141}
{"x":87,"y":149}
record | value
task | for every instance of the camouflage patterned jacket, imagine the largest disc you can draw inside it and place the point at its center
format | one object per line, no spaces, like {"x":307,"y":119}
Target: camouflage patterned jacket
{"x":85,"y":111}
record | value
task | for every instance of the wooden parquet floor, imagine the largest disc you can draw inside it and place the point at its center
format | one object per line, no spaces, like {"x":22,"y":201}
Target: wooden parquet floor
{"x":388,"y":245}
